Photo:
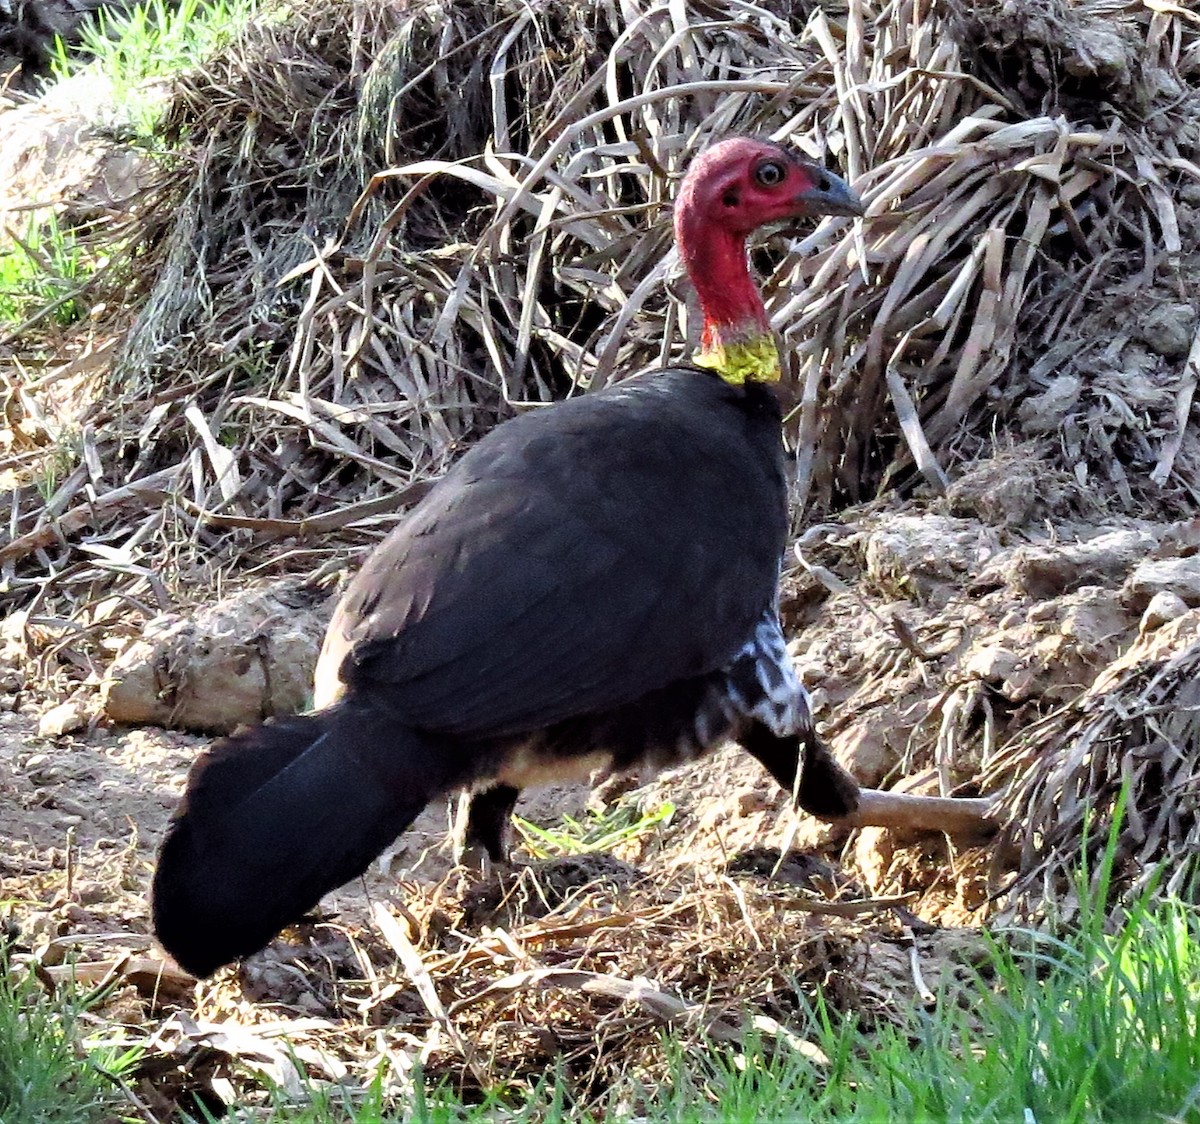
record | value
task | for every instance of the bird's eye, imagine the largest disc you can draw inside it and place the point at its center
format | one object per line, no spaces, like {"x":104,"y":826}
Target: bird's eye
{"x":770,"y":173}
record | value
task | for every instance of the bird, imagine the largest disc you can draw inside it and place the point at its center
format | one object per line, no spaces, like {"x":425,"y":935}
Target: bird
{"x":594,"y":583}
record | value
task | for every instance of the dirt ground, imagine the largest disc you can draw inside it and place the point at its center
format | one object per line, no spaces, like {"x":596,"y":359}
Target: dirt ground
{"x":706,"y":916}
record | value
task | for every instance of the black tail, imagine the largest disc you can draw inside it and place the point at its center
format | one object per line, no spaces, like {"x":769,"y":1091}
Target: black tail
{"x":276,"y":816}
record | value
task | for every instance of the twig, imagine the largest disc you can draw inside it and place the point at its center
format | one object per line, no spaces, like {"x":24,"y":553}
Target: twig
{"x":410,"y":960}
{"x":146,"y":492}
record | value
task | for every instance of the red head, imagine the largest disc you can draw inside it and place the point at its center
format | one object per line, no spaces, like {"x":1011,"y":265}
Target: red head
{"x":730,"y":190}
{"x":743,"y":183}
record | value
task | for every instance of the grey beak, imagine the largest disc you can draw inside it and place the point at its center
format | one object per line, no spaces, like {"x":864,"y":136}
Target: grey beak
{"x":832,"y":195}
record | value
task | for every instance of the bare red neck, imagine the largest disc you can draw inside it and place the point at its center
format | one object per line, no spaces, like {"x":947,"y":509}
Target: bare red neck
{"x":735,"y":336}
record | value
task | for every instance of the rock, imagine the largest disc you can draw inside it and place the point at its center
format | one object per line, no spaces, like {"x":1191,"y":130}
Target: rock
{"x":1180,"y":539}
{"x":1168,"y":330}
{"x":872,"y":747}
{"x":41,"y":769}
{"x":1062,"y":643}
{"x":1179,"y":576}
{"x":40,"y":930}
{"x":752,"y":800}
{"x":1044,"y":571}
{"x":239,"y":661}
{"x":12,"y":638}
{"x":1044,"y":413}
{"x":65,"y":718}
{"x":925,"y":556}
{"x":89,"y":892}
{"x":1091,"y":628}
{"x":1004,"y":491}
{"x":992,"y":664}
{"x":1093,"y":618}
{"x":66,"y":805}
{"x":53,"y":151}
{"x":1097,"y":51}
{"x":1164,"y":606}
{"x":36,"y":765}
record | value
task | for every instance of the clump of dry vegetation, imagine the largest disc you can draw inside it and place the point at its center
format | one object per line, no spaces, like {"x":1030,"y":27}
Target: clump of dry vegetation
{"x":386,"y":230}
{"x":1127,"y":748}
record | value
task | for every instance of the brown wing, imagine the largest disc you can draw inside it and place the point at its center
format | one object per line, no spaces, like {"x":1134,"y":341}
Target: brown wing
{"x":576,"y":559}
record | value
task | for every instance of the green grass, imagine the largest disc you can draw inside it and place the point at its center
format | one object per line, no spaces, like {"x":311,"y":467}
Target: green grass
{"x":43,"y":268}
{"x":154,"y":40}
{"x":596,"y":832}
{"x":1098,"y":1026}
{"x":47,"y":1076}
{"x":1095,"y":1028}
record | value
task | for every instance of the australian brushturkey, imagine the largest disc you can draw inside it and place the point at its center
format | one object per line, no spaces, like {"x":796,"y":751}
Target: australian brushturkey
{"x":594,"y":582}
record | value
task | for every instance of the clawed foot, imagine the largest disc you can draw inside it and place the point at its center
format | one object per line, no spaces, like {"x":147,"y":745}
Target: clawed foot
{"x":826,"y":790}
{"x":483,"y":829}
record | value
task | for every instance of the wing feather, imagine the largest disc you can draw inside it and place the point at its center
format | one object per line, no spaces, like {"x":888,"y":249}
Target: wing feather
{"x":575,"y":560}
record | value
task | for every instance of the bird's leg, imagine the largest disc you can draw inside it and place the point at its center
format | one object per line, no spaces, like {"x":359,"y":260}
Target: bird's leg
{"x":482,"y":826}
{"x":830,"y":793}
{"x":779,"y":756}
{"x":825,"y":789}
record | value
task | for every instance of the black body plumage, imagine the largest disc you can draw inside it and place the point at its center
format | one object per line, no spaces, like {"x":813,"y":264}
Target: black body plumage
{"x":592,"y":581}
{"x":577,"y":559}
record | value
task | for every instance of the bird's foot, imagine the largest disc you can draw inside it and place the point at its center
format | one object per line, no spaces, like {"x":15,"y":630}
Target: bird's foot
{"x":475,"y":861}
{"x":826,"y":790}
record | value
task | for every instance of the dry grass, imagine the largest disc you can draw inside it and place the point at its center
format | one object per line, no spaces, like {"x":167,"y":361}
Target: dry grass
{"x":567,"y":963}
{"x":1126,"y":748}
{"x":389,"y":226}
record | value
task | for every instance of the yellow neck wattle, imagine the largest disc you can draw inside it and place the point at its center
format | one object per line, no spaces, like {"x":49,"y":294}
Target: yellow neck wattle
{"x":755,"y":359}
